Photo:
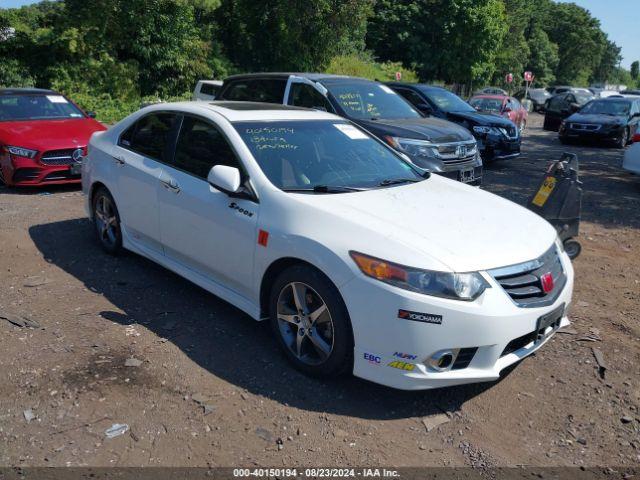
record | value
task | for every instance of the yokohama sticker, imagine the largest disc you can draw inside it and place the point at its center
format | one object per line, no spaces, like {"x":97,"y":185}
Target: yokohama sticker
{"x":420,"y":317}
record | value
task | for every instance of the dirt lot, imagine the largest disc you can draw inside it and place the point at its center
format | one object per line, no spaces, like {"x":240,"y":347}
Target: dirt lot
{"x":212,"y":390}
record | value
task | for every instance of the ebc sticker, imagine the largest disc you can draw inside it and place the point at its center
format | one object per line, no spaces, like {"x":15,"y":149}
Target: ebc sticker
{"x":373,"y":359}
{"x":420,"y":317}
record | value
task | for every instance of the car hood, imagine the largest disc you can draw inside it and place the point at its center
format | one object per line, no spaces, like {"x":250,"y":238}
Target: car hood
{"x":431,"y":129}
{"x":44,"y":135}
{"x":598,"y":119}
{"x":436,"y":224}
{"x":482,"y":118}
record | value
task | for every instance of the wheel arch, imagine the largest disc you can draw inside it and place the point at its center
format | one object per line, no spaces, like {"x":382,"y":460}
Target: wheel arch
{"x":95,"y":186}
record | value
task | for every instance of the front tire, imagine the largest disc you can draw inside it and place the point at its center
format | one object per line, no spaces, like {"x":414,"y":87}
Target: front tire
{"x":310,"y":322}
{"x":624,"y":139}
{"x":106,"y":220}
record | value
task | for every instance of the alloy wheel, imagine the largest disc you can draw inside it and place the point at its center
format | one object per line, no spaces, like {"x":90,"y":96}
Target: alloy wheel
{"x":106,"y":221}
{"x":305,"y":323}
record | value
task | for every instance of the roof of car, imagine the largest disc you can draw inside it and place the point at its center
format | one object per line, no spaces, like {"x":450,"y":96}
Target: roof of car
{"x":248,"y":111}
{"x":25,"y":91}
{"x":316,"y":77}
{"x":491,"y":96}
{"x":420,"y":86}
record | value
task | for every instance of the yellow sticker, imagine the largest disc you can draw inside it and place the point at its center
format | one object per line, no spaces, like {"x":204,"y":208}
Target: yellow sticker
{"x":402,"y":365}
{"x":545,"y":190}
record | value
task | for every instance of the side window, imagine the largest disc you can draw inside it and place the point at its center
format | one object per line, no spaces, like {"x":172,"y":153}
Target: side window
{"x":411,"y":96}
{"x":208,"y":89}
{"x":555,"y":104}
{"x":201,"y":146}
{"x":304,"y":95}
{"x":269,"y":90}
{"x":149,"y":135}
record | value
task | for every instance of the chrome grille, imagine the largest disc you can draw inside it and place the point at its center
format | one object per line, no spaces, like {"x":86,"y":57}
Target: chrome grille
{"x":457,"y":153}
{"x":523,"y":284}
{"x":58,"y":157}
{"x":588,"y":127}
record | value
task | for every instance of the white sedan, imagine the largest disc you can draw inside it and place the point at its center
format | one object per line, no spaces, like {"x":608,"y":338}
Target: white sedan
{"x":361,"y":262}
{"x":631,"y":161}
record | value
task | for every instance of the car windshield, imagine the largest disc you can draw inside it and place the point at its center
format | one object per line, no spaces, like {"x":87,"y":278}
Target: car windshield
{"x":370,"y":100}
{"x":36,"y":107}
{"x":447,"y":101}
{"x":602,"y":107}
{"x":583,"y":98}
{"x":323,"y":156}
{"x":486,"y":104}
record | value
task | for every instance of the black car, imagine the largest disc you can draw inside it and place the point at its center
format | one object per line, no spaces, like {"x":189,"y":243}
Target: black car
{"x":431,"y":143}
{"x":538,"y":97}
{"x":561,"y":106}
{"x":614,"y":120}
{"x":498,"y":137}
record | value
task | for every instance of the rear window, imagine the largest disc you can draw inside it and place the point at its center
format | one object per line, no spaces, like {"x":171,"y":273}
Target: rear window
{"x":269,"y":90}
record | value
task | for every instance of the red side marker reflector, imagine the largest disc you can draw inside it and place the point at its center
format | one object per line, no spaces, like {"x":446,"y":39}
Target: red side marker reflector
{"x":263,"y":238}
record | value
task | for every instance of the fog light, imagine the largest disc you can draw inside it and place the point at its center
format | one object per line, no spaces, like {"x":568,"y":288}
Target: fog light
{"x":442,"y":361}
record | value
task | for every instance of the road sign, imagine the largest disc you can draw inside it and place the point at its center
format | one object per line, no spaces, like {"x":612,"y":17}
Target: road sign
{"x":528,"y":77}
{"x":398,"y":76}
{"x":509,"y":78}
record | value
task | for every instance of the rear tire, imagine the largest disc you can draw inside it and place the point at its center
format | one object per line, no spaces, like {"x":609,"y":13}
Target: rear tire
{"x":106,"y":221}
{"x":310,"y":322}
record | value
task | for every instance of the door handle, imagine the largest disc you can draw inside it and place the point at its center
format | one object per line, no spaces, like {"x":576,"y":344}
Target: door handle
{"x":119,"y":160}
{"x":171,"y":185}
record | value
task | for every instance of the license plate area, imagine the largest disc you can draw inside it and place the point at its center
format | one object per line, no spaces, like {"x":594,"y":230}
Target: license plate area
{"x":549,"y":323}
{"x":467,"y":176}
{"x":75,"y":169}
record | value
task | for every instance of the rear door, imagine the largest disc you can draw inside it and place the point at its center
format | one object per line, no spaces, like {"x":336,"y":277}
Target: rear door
{"x":139,"y":155}
{"x":201,"y":227}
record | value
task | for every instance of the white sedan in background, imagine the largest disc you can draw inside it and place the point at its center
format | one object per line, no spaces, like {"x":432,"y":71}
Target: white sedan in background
{"x":361,"y":262}
{"x":631,"y":161}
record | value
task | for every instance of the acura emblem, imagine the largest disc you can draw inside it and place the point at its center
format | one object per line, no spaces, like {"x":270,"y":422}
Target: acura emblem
{"x":77,"y":155}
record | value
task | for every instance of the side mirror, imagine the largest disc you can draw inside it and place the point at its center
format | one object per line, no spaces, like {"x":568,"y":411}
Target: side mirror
{"x":224,"y":178}
{"x":424,"y":107}
{"x":91,"y":114}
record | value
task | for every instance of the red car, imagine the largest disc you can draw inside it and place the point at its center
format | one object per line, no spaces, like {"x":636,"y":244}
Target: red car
{"x":43,"y":137}
{"x":503,"y":105}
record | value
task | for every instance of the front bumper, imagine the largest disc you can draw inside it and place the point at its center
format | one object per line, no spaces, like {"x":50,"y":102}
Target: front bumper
{"x":604,"y":134}
{"x":20,"y":171}
{"x":395,"y":351}
{"x":498,"y":147}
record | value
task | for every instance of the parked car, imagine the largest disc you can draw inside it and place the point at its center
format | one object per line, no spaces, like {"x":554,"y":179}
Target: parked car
{"x":613,"y":120}
{"x":561,"y":106}
{"x":361,"y":261}
{"x":43,"y":137}
{"x":206,"y":90}
{"x":537,"y":96}
{"x":631,"y":161}
{"x":498,"y":138}
{"x":508,"y":107}
{"x":491,"y":91}
{"x":631,"y":92}
{"x":434,"y":144}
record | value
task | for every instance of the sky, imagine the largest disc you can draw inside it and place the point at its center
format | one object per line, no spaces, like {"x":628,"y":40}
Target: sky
{"x":620,"y":20}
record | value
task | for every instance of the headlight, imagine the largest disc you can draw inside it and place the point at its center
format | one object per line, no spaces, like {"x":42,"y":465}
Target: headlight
{"x":22,"y":152}
{"x":457,"y":286}
{"x":485,"y":130}
{"x":410,"y":146}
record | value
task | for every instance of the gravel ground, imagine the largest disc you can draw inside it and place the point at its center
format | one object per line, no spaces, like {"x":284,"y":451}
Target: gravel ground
{"x":123,"y":341}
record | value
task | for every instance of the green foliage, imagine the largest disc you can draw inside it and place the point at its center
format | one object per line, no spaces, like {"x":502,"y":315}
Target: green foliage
{"x":290,"y":35}
{"x":635,"y":70}
{"x":364,"y":66}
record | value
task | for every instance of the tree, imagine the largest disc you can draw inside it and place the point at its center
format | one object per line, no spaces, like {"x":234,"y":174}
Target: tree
{"x":295,"y":35}
{"x":635,"y":70}
{"x":452,"y":41}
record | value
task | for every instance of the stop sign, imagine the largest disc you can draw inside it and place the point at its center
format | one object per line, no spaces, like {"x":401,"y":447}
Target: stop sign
{"x":509,"y":78}
{"x":398,"y":76}
{"x":528,"y":76}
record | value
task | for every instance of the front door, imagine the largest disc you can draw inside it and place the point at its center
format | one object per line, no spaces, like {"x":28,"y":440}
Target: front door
{"x":201,"y":227}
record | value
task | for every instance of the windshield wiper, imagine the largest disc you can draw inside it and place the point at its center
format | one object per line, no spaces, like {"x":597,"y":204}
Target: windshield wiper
{"x":325,"y":189}
{"x":397,"y":181}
